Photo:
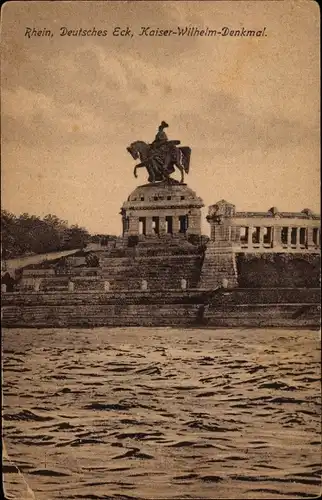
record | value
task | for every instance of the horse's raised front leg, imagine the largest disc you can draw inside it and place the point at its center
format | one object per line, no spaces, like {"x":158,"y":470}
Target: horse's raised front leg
{"x":139,"y":165}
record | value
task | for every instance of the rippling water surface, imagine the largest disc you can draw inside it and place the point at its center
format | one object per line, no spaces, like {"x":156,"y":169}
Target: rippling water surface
{"x":161,"y":413}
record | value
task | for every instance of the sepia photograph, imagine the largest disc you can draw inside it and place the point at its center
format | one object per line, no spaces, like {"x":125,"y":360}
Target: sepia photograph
{"x":160,"y":250}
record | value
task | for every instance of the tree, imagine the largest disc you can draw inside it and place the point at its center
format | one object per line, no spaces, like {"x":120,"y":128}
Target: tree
{"x":75,"y":237}
{"x":8,"y":240}
{"x":25,"y":234}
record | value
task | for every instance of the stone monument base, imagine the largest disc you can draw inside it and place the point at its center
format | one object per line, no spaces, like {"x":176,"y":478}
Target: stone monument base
{"x":163,"y":208}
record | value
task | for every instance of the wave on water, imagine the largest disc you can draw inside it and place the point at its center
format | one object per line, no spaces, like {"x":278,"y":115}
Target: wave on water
{"x":131,"y":413}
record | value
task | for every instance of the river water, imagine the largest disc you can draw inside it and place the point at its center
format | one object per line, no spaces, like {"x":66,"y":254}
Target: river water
{"x":163,"y":413}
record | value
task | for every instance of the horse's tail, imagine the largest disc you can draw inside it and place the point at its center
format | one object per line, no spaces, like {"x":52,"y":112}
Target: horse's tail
{"x":181,"y":159}
{"x":185,"y":155}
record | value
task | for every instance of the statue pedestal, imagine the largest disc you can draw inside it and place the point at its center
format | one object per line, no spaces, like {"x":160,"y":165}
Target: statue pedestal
{"x":162,"y":209}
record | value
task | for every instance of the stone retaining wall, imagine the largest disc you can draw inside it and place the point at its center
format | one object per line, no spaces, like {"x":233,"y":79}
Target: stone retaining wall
{"x":278,"y":270}
{"x":191,"y":308}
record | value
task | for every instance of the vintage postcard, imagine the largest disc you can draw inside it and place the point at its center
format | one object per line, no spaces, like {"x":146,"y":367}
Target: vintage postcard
{"x":160,"y":249}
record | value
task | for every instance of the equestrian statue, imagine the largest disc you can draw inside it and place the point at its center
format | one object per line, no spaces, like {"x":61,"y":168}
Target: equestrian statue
{"x":161,"y":157}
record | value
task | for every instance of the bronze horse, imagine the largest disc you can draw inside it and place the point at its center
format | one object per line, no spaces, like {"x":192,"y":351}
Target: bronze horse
{"x":160,"y":162}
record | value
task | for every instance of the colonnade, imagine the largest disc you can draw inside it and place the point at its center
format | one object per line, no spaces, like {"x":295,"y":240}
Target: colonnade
{"x":278,"y":236}
{"x":150,"y":225}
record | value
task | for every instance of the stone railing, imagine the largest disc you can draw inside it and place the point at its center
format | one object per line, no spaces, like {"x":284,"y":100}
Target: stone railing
{"x":270,"y":231}
{"x":280,"y":235}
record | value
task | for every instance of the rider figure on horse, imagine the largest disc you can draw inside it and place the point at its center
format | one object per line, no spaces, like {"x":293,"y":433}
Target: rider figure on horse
{"x":163,"y":151}
{"x":161,"y":137}
{"x":160,"y":157}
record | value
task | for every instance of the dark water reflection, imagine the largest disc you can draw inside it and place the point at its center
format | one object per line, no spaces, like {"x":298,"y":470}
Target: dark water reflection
{"x":161,"y":413}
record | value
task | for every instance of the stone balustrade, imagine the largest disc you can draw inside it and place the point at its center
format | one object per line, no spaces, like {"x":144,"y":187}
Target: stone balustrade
{"x":282,"y":237}
{"x":270,"y":231}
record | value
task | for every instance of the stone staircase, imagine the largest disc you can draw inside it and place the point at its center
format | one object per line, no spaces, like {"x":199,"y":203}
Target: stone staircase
{"x":161,"y":262}
{"x":162,"y":266}
{"x":160,"y":273}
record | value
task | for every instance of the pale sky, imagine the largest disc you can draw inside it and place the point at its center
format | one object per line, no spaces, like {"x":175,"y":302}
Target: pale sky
{"x":248,"y":107}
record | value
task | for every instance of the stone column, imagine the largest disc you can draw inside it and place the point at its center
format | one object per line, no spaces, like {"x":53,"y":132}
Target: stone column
{"x":194,"y":219}
{"x":175,"y":224}
{"x":162,"y":226}
{"x":250,"y":236}
{"x":310,"y":242}
{"x":297,"y":237}
{"x":133,"y":225}
{"x":277,"y":236}
{"x":148,"y":226}
{"x":261,"y":236}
